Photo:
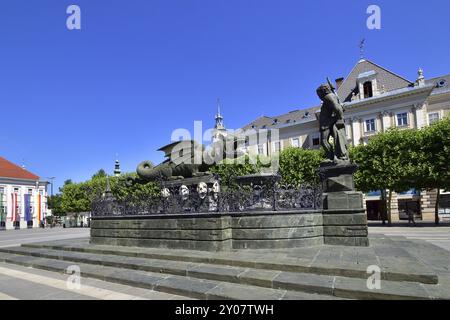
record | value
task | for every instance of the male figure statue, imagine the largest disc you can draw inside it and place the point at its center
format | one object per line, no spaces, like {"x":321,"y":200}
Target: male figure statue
{"x":332,"y":126}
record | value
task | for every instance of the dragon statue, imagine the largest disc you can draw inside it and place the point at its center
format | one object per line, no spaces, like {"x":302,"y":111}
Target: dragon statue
{"x":187,"y":159}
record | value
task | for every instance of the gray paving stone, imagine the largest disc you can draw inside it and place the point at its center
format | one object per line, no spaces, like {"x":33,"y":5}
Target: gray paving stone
{"x":220,"y":273}
{"x":293,"y":295}
{"x":26,"y":290}
{"x":357,"y":289}
{"x":18,"y":259}
{"x":189,"y":287}
{"x":304,"y":282}
{"x":235,"y":291}
{"x":258,"y":277}
{"x":442,"y":290}
{"x":136,"y":278}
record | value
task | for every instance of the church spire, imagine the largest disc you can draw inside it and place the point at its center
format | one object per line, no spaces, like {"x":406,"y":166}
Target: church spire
{"x":117,"y":170}
{"x":219,"y":119}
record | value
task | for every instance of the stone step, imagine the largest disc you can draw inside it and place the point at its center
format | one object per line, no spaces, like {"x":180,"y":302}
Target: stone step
{"x":322,"y":265}
{"x":338,"y":286}
{"x":179,"y":285}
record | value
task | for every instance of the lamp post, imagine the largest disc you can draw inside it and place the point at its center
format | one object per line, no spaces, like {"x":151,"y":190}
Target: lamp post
{"x":52,"y":180}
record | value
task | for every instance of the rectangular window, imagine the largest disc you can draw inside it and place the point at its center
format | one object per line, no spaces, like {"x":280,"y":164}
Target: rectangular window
{"x":296,"y":143}
{"x":368,"y":91}
{"x":370,"y":125}
{"x":433,"y":117}
{"x":402,"y":119}
{"x":316,"y":141}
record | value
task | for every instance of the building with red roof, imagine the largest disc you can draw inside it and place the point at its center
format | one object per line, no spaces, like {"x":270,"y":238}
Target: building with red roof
{"x":23,"y":197}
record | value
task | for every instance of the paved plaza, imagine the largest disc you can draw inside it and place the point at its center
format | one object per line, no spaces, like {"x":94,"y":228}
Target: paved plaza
{"x":10,"y":238}
{"x":414,"y":264}
{"x":439,"y":236}
{"x":19,"y":282}
{"x":22,"y":283}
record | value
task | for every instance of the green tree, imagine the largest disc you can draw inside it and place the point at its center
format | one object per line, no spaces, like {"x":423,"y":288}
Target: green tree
{"x":78,"y":197}
{"x":75,"y":198}
{"x":434,"y":169}
{"x":100,"y":174}
{"x":54,"y":203}
{"x":228,"y":169}
{"x":388,"y":162}
{"x":299,"y":166}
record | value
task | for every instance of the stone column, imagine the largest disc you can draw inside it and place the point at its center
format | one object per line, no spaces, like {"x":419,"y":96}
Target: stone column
{"x":380,"y":124}
{"x":356,"y":131}
{"x":420,"y":115}
{"x":394,"y":208}
{"x":387,"y":121}
{"x":361,"y":127}
{"x":9,"y":224}
{"x":412,"y":118}
{"x":349,"y":126}
{"x":428,"y":203}
{"x":392,"y":116}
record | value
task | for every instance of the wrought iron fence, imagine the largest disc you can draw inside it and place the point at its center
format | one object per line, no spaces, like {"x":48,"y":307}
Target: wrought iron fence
{"x":189,"y":199}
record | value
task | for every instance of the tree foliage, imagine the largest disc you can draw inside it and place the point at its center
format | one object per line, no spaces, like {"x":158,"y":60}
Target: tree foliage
{"x":54,"y":203}
{"x":400,"y":160}
{"x":299,"y":166}
{"x":296,"y":166}
{"x":78,"y":197}
{"x":388,"y":161}
{"x":228,"y":169}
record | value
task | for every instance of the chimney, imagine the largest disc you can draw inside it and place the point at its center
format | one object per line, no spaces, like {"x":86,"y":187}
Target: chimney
{"x":339,"y":82}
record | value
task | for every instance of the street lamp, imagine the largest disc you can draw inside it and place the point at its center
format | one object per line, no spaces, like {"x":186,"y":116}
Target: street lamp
{"x":52,"y":180}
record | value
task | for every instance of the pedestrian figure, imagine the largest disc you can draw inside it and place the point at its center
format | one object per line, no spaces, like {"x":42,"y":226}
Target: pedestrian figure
{"x":410,"y":214}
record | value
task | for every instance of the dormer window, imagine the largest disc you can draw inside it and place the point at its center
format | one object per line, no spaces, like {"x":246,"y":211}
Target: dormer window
{"x":368,"y":91}
{"x":367,"y":85}
{"x":441,"y":83}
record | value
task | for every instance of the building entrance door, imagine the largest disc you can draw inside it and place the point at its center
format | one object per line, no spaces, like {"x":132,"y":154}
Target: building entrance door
{"x":374,"y":210}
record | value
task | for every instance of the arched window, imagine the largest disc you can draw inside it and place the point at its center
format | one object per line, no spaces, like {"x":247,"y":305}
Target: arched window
{"x":368,"y":93}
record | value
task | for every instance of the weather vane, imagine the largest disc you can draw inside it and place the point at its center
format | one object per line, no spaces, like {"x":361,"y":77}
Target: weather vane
{"x":361,"y":48}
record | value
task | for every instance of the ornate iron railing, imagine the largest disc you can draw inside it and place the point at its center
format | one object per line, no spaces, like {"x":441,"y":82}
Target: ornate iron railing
{"x":192,"y":199}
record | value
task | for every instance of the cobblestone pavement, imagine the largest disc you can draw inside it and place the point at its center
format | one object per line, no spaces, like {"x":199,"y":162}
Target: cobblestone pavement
{"x":10,"y":238}
{"x":437,"y":235}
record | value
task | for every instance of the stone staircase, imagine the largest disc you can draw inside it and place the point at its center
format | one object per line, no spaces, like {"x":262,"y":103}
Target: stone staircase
{"x":204,"y":275}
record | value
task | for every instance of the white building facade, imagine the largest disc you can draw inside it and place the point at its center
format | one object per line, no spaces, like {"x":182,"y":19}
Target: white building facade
{"x":375,"y":99}
{"x":23,"y":197}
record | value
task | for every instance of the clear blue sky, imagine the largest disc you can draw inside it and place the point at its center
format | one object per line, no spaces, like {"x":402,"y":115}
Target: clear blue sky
{"x":71,"y":100}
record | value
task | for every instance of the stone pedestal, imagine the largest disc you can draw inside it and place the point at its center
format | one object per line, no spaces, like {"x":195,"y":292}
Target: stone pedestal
{"x":344,"y":217}
{"x":211,"y":232}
